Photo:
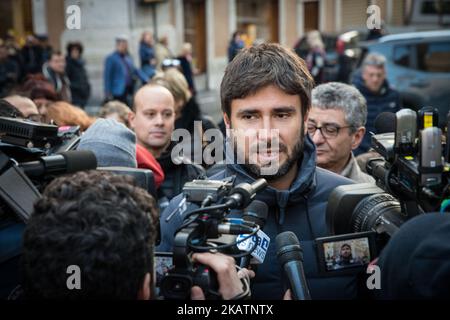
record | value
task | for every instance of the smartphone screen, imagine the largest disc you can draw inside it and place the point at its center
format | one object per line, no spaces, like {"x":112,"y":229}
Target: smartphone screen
{"x":163,"y":262}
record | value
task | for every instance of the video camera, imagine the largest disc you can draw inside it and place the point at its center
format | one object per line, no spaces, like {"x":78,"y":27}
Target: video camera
{"x":412,"y":178}
{"x":214,"y":200}
{"x":31,"y":154}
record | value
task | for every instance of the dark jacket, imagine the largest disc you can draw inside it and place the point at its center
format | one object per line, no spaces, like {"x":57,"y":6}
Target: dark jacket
{"x":32,"y":57}
{"x":186,"y":69}
{"x":191,"y":112}
{"x":387,"y":100}
{"x":234,"y":48}
{"x":119,"y":74}
{"x":9,"y":75}
{"x":60,"y":82}
{"x":79,"y":82}
{"x":300,"y":209}
{"x":146,"y":55}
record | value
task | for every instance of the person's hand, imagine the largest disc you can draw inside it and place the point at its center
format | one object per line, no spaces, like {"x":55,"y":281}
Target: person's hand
{"x":230,"y":284}
{"x":287,"y":295}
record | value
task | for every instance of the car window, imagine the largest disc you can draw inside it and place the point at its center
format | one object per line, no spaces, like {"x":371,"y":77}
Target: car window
{"x":434,"y":57}
{"x":402,"y":55}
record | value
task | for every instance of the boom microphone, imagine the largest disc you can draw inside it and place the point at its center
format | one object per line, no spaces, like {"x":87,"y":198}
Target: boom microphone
{"x":430,"y":157}
{"x":290,"y":255}
{"x":405,"y":132}
{"x":64,"y":162}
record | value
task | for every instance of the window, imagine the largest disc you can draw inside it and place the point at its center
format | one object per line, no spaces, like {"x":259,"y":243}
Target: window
{"x":434,"y":57}
{"x":402,"y":56}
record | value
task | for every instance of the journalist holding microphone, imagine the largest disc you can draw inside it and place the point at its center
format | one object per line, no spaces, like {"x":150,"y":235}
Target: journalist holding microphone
{"x":267,"y":88}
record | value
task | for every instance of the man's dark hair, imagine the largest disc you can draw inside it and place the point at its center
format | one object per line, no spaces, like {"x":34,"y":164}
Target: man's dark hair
{"x":74,"y":45}
{"x":9,"y":110}
{"x":259,"y":66}
{"x":98,"y":221}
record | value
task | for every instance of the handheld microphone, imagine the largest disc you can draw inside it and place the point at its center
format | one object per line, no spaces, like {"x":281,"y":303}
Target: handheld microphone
{"x":430,"y":157}
{"x":243,"y":193}
{"x":405,"y":132}
{"x":428,"y":117}
{"x":65,"y":162}
{"x":290,"y":255}
{"x":257,"y":213}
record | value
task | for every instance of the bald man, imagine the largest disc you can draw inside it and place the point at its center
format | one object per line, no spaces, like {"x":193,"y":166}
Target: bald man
{"x":153,"y":121}
{"x":153,"y":118}
{"x":26,"y":106}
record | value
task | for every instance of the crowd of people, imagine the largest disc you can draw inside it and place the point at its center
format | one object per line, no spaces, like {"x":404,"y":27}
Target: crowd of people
{"x":107,"y":225}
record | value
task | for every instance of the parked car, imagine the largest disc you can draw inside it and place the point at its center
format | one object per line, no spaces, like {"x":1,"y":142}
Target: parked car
{"x":418,"y":66}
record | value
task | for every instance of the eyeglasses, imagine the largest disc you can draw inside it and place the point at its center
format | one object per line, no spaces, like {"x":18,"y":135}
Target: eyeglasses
{"x":328,"y":131}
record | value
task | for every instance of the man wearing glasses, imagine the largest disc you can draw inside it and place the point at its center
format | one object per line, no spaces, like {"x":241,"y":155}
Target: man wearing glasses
{"x":336,"y":125}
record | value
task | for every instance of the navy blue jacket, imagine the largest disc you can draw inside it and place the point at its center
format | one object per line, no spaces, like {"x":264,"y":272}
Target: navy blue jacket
{"x":386,"y":100}
{"x":115,"y":74}
{"x":289,"y":210}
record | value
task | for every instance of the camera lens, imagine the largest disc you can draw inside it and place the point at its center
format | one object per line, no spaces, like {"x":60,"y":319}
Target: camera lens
{"x":176,"y":287}
{"x":379,"y":212}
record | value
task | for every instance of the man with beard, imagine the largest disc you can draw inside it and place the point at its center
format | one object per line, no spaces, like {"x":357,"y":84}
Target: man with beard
{"x":265,"y":95}
{"x":345,"y":258}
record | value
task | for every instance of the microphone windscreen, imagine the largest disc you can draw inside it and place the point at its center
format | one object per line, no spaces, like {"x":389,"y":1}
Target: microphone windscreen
{"x":288,"y":247}
{"x":78,"y":160}
{"x":256,"y":212}
{"x":385,"y":123}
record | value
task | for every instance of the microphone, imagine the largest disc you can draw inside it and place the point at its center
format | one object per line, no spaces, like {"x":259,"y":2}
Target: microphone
{"x":290,"y":255}
{"x":243,"y":193}
{"x":64,"y":162}
{"x":257,"y":213}
{"x":385,"y":123}
{"x":430,"y":158}
{"x":405,"y":132}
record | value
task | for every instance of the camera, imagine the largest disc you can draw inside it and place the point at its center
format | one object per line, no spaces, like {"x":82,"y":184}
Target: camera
{"x":31,"y":155}
{"x":201,"y":226}
{"x":412,"y":178}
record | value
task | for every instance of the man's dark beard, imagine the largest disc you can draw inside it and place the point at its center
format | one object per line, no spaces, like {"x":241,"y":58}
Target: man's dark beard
{"x":292,"y":159}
